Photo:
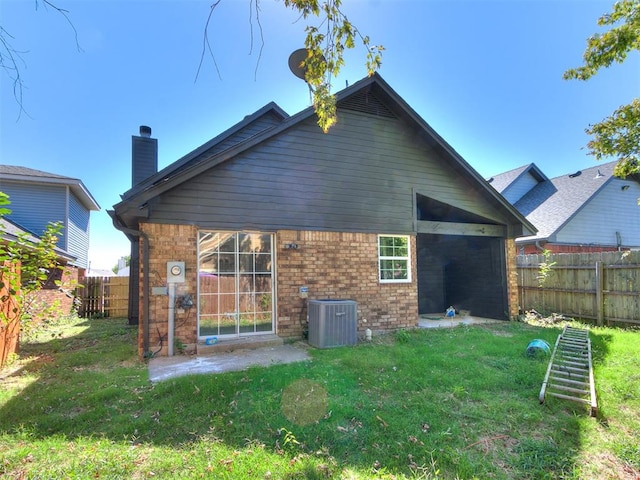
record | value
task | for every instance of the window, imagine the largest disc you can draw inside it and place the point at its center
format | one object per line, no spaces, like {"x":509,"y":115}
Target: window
{"x":393,"y":258}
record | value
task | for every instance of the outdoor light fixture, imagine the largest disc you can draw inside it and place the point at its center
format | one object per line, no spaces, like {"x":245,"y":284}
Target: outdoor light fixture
{"x":291,"y":246}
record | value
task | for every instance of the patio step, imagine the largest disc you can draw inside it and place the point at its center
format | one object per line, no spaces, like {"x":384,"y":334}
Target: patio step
{"x":239,"y":343}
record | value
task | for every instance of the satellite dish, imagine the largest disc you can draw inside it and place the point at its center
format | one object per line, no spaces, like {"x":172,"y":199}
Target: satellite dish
{"x":295,"y":62}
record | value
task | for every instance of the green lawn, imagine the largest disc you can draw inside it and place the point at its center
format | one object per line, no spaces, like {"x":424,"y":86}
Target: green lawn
{"x":445,"y":403}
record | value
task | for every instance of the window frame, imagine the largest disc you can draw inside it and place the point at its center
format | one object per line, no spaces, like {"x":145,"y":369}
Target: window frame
{"x":406,"y":259}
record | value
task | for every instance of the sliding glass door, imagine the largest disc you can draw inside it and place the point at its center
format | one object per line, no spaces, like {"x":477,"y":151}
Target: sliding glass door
{"x":235,"y":283}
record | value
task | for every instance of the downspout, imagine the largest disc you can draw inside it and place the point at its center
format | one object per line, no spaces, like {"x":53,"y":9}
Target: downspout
{"x":117,"y":223}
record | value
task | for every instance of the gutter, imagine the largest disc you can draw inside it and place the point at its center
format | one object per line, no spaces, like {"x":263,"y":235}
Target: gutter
{"x":118,"y":224}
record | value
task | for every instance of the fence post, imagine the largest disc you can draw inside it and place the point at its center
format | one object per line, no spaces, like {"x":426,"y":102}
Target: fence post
{"x":599,"y":293}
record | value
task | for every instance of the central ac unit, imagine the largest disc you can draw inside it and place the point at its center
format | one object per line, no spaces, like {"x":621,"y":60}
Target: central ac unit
{"x":333,"y":323}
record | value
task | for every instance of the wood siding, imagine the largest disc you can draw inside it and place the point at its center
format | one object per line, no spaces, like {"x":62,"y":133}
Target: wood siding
{"x":359,"y":177}
{"x":612,"y":210}
{"x":259,"y":125}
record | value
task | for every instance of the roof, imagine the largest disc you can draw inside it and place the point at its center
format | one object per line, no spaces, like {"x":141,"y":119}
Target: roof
{"x":30,"y":175}
{"x":195,"y":163}
{"x":198,"y":155}
{"x":99,"y":273}
{"x":504,"y":180}
{"x":554,"y":202}
{"x":11,"y":231}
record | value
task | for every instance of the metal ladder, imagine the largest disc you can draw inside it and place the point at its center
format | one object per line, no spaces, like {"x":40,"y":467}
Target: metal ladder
{"x":570,"y":372}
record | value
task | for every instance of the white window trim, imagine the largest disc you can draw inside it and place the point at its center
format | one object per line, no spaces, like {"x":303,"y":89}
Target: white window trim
{"x":407,"y":258}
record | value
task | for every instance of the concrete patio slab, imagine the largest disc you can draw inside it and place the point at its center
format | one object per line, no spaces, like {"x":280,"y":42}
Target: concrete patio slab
{"x":164,"y":368}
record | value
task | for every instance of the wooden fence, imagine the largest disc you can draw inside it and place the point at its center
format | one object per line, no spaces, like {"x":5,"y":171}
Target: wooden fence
{"x":104,"y":297}
{"x":603,"y":287}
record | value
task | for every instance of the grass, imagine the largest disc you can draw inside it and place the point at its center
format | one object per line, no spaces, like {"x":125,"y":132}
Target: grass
{"x":423,"y":404}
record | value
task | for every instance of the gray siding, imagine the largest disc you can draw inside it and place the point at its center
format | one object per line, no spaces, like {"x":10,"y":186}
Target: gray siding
{"x":612,"y":210}
{"x":519,"y":188}
{"x":78,"y":232}
{"x":259,"y":125}
{"x":34,"y":206}
{"x":359,"y":177}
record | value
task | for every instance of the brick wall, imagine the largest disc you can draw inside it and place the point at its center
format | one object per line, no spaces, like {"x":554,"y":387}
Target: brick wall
{"x":340,"y":266}
{"x":331,"y":265}
{"x":334,"y":265}
{"x":512,"y":278}
{"x":60,"y":297}
{"x":169,"y":243}
{"x":560,"y":248}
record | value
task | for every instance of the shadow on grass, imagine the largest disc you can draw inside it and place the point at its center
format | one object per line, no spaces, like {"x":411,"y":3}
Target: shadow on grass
{"x":464,"y":399}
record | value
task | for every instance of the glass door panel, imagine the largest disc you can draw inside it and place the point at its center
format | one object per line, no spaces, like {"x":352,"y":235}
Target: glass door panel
{"x":235,"y":283}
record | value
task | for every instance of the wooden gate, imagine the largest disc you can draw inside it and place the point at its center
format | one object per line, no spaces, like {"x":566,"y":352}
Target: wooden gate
{"x":105,"y":297}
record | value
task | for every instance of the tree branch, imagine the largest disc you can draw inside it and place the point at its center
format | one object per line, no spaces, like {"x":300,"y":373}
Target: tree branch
{"x":206,"y":46}
{"x":10,"y":57}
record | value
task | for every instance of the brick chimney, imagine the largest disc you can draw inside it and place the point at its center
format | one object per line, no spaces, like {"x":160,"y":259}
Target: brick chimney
{"x":144,"y":156}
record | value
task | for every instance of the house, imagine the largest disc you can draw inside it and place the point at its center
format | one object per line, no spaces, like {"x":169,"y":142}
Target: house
{"x":590,"y":210}
{"x":234,"y":238}
{"x":39,"y":198}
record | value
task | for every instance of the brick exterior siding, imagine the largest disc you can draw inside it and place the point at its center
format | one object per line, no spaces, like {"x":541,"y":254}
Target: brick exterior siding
{"x":335,"y":265}
{"x":61,"y":298}
{"x":169,"y":243}
{"x":331,"y":265}
{"x":512,"y":277}
{"x":341,"y":266}
{"x":531,"y":249}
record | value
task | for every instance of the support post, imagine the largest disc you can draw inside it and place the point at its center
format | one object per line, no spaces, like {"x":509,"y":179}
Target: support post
{"x":171,"y":322}
{"x":599,"y":293}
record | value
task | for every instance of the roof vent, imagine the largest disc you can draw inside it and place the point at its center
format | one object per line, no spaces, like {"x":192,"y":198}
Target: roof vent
{"x":577,"y":174}
{"x":367,"y":102}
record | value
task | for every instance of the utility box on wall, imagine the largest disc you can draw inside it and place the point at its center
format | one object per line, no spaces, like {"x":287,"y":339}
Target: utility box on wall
{"x":333,"y":323}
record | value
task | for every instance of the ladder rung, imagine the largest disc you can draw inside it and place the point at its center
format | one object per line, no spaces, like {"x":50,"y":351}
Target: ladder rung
{"x":568,"y":389}
{"x":573,"y":348}
{"x":579,"y":356}
{"x":567,"y":397}
{"x":569,"y":381}
{"x":580,"y":371}
{"x":564,"y":361}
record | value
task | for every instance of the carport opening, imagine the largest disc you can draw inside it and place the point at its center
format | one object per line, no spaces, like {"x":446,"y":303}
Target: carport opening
{"x":466,"y":272}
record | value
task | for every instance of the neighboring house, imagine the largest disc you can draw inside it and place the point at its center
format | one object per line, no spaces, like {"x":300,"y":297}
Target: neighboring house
{"x":272,"y":213}
{"x":99,"y":272}
{"x":585,"y":211}
{"x":39,"y":198}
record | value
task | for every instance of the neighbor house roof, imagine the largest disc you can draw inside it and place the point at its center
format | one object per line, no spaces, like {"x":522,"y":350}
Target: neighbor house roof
{"x":11,"y":231}
{"x":552,"y":203}
{"x":30,"y":175}
{"x":196,"y":162}
{"x":504,"y":180}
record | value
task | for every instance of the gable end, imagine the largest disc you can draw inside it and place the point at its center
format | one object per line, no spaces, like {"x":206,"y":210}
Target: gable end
{"x":367,"y":102}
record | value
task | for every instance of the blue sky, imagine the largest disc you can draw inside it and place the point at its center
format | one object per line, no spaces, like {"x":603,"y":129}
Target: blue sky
{"x":486,"y":75}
